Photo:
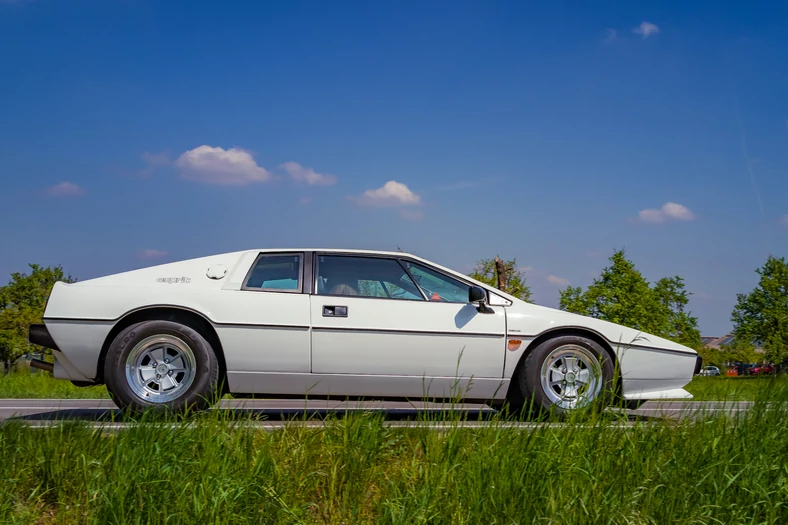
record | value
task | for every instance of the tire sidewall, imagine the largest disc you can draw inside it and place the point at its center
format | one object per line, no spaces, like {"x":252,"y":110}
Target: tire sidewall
{"x":200,"y":393}
{"x":530,"y":377}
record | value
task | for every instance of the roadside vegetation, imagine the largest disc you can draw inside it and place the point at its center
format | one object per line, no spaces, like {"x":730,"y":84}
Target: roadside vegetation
{"x":22,"y":384}
{"x":746,"y":388}
{"x":361,"y":469}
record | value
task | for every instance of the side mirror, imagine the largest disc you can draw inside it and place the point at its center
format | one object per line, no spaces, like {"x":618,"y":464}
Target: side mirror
{"x":477,"y":295}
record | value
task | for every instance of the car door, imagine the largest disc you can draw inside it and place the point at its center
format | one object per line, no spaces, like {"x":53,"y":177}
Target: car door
{"x":263,"y":321}
{"x":375,"y":331}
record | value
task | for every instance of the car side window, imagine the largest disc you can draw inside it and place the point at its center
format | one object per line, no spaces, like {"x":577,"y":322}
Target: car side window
{"x":365,"y":277}
{"x":275,"y":273}
{"x":438,"y":286}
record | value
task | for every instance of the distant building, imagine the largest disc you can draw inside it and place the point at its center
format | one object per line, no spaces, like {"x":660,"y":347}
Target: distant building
{"x":717,"y":342}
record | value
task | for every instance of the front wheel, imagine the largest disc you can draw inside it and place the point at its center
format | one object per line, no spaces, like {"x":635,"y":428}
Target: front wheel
{"x":566,"y":373}
{"x":161,"y":366}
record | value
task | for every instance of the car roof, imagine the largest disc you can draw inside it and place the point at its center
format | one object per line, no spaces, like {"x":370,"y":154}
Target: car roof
{"x":336,"y":250}
{"x":391,"y":254}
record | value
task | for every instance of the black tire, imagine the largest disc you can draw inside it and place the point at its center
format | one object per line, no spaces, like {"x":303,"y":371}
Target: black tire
{"x":529,"y":376}
{"x":200,"y":394}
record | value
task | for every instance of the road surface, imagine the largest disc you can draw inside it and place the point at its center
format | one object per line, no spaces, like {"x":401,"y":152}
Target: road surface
{"x":276,"y":413}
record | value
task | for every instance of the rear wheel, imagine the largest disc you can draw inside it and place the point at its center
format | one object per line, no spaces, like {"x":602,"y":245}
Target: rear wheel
{"x":566,"y":373}
{"x":161,"y":366}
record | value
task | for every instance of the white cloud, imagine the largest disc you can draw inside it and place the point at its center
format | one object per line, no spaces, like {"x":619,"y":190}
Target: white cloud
{"x":669,"y":211}
{"x":65,"y":189}
{"x":153,"y":254}
{"x":645,"y":29}
{"x":525,"y":269}
{"x":156,"y":159}
{"x":307,"y":175}
{"x":652,"y":216}
{"x":214,"y":165}
{"x":392,"y":193}
{"x":558,"y":281}
{"x":611,"y":35}
{"x":305,"y":201}
{"x":783,"y":220}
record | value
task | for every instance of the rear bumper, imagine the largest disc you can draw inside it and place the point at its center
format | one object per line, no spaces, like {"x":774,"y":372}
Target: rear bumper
{"x":698,"y":365}
{"x":62,"y":368}
{"x":39,"y":335}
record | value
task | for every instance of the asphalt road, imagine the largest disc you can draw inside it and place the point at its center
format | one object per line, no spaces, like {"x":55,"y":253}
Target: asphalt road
{"x":276,"y":413}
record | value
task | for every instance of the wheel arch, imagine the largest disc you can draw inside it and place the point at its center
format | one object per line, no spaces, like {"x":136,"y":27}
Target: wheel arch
{"x":178,"y":314}
{"x":552,"y":333}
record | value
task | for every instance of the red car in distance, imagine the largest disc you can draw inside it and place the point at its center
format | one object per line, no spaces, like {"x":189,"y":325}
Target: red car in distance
{"x":763,"y":369}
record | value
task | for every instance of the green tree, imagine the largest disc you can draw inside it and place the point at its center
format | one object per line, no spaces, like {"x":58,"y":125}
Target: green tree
{"x":488,"y":272}
{"x":740,"y":351}
{"x":622,"y":295}
{"x":674,"y":298}
{"x":22,"y":303}
{"x":762,"y":315}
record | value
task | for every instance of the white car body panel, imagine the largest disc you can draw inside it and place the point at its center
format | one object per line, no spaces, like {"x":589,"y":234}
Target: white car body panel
{"x":401,"y":339}
{"x":357,"y":385}
{"x":407,"y":338}
{"x":280,"y":343}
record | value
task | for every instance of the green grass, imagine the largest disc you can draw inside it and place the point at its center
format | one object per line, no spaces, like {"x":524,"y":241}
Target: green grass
{"x":746,"y":388}
{"x":24,"y":384}
{"x":212,"y":468}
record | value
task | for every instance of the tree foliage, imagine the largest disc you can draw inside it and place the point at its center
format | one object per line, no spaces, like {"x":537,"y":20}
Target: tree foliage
{"x":22,"y":303}
{"x":622,"y":295}
{"x":762,"y":315}
{"x":485,"y":271}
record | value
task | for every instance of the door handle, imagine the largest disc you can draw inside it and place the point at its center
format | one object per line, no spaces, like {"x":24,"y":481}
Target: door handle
{"x":335,"y":311}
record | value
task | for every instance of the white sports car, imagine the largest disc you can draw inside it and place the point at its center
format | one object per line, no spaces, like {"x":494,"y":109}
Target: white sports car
{"x":340,"y":323}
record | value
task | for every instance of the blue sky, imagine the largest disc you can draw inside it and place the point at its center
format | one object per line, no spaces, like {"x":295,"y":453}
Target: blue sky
{"x":140,"y":132}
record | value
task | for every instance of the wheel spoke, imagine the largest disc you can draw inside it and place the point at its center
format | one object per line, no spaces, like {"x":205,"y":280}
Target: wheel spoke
{"x":556,"y":375}
{"x":147,"y":375}
{"x":570,"y":391}
{"x":583,"y":375}
{"x":167,"y":382}
{"x":571,"y":364}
